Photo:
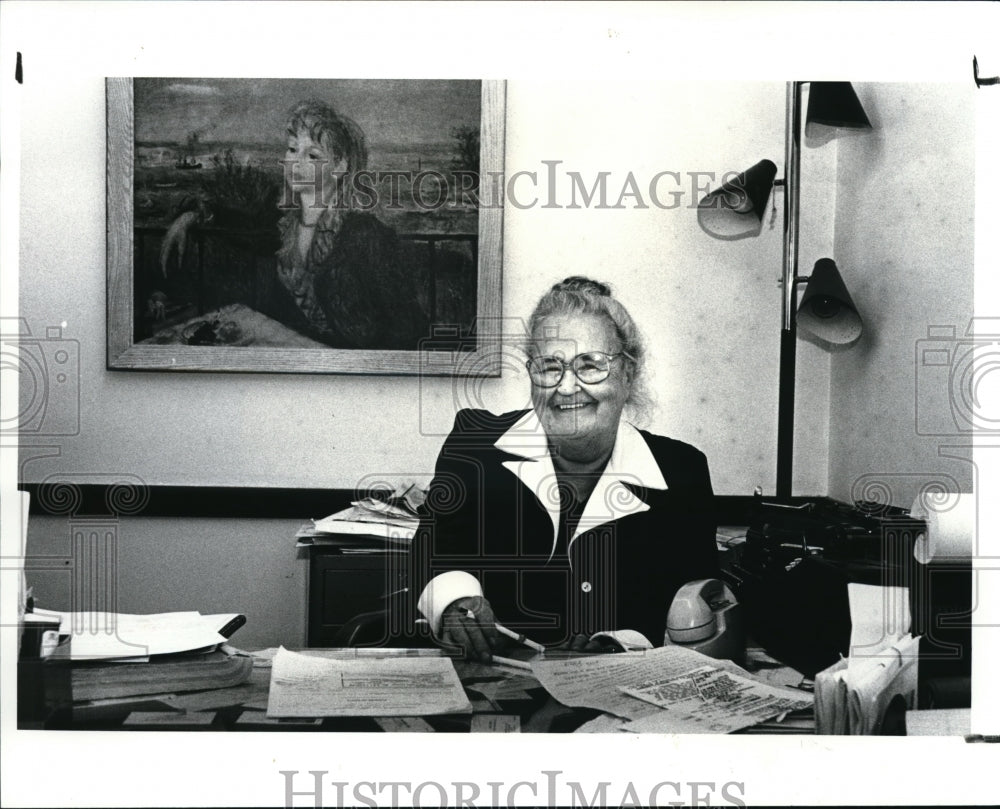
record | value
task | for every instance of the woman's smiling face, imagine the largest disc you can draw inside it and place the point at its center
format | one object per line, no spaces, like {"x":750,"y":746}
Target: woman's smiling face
{"x":580,"y":419}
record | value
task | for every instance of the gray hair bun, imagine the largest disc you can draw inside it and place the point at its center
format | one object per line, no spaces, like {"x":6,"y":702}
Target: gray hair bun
{"x":582,"y":285}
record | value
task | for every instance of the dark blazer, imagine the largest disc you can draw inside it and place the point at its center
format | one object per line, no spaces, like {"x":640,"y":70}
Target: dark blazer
{"x":621,"y":574}
{"x":365,"y":290}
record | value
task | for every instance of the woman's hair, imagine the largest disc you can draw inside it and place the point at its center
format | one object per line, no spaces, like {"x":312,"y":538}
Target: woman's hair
{"x":577,"y":295}
{"x":337,"y":133}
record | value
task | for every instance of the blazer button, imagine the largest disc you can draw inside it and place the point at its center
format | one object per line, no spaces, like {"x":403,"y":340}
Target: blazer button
{"x":586,"y":587}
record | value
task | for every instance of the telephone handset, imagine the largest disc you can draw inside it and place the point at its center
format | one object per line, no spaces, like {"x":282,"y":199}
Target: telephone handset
{"x":705,"y":616}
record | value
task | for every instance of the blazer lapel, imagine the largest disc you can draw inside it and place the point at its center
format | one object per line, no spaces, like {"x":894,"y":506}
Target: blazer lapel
{"x":532,"y":464}
{"x":631,"y":465}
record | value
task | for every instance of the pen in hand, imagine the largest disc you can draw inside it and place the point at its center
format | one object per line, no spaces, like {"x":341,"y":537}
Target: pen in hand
{"x":519,"y":638}
{"x":506,"y":661}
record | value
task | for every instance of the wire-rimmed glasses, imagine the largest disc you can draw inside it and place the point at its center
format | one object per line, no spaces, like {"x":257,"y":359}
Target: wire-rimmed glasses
{"x":590,"y":368}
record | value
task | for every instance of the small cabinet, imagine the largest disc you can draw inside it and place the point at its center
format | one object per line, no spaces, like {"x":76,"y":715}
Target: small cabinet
{"x":343,"y":585}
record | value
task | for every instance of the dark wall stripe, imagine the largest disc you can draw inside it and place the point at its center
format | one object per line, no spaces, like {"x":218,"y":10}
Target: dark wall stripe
{"x":123,"y":500}
{"x":68,"y":499}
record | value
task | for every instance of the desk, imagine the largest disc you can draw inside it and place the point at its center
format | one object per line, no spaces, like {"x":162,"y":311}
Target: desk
{"x":502,"y":699}
{"x":493,"y":691}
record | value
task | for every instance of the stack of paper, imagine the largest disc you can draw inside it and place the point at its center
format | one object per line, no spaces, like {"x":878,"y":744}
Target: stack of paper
{"x":394,"y":520}
{"x":116,"y":662}
{"x":854,"y":696}
{"x":121,"y":636}
{"x":166,"y":677}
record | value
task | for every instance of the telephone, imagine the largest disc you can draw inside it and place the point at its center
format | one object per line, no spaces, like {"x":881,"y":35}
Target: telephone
{"x":705,"y":616}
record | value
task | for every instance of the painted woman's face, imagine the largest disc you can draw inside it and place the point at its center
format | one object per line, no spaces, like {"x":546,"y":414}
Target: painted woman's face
{"x":311,"y":170}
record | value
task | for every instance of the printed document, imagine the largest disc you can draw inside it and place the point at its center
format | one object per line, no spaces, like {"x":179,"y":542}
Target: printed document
{"x":302,"y":685}
{"x":667,"y":690}
{"x":708,"y":700}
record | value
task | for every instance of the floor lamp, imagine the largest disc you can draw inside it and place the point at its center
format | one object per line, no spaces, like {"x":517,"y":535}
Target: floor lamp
{"x":735,"y":211}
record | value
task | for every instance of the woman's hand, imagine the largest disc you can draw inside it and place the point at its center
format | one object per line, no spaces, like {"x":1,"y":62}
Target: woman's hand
{"x":470,"y":624}
{"x":584,"y":643}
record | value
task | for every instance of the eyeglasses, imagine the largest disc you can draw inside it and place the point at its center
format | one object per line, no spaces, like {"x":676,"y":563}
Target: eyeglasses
{"x":590,"y":368}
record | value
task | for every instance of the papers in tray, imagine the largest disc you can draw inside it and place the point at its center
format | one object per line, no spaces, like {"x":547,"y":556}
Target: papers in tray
{"x":394,"y":520}
{"x":860,"y":695}
{"x":112,"y":635}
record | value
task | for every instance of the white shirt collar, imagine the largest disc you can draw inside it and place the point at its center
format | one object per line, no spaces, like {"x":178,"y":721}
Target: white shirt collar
{"x":631,"y":462}
{"x":631,"y":459}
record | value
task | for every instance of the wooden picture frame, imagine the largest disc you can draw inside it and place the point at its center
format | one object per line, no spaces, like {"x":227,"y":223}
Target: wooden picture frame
{"x":149,"y":329}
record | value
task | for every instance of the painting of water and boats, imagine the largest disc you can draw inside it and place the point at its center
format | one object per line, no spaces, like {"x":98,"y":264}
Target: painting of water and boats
{"x":224,"y":214}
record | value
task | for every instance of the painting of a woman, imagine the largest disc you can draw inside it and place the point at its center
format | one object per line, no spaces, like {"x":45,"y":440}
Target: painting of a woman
{"x":324,"y":268}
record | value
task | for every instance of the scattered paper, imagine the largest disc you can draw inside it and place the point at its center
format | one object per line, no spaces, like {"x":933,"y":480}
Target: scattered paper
{"x":855,"y":696}
{"x":303,"y":685}
{"x":592,"y":681}
{"x":249,"y":692}
{"x":675,"y":690}
{"x":603,"y":723}
{"x":880,"y":616}
{"x":875,"y":683}
{"x":253,"y":718}
{"x":395,"y":519}
{"x":404,"y":724}
{"x":162,"y":719}
{"x":485,"y":692}
{"x":707,"y":700}
{"x":831,"y":699}
{"x":495,"y":723}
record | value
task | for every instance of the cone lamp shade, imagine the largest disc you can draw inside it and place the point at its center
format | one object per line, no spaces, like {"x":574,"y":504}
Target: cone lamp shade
{"x":735,"y":210}
{"x":827,"y":310}
{"x":834,"y":103}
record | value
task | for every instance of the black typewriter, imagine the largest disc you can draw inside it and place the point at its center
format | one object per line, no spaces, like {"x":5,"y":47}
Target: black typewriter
{"x":792,"y":572}
{"x":781,"y":535}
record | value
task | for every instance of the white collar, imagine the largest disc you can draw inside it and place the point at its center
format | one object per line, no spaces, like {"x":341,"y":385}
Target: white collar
{"x":631,"y":462}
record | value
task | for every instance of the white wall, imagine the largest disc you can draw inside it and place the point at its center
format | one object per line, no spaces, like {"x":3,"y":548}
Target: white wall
{"x":710,"y":309}
{"x":175,"y":563}
{"x":904,"y":239}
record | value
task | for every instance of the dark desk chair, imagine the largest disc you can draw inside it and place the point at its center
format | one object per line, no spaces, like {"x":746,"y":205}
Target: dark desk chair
{"x":366,"y":629}
{"x":376,"y":629}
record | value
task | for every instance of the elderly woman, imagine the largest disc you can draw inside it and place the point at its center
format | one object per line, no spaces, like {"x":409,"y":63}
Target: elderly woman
{"x":564,"y":520}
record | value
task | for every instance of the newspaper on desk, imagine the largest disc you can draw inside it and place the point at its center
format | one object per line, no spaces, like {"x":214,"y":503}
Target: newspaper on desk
{"x":307,"y":686}
{"x":666,"y":690}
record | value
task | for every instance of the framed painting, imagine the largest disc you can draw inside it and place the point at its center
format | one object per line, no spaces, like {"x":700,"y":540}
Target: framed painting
{"x":305,"y":225}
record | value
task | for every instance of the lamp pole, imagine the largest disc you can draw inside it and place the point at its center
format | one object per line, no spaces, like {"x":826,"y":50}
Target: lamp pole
{"x":789,"y":275}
